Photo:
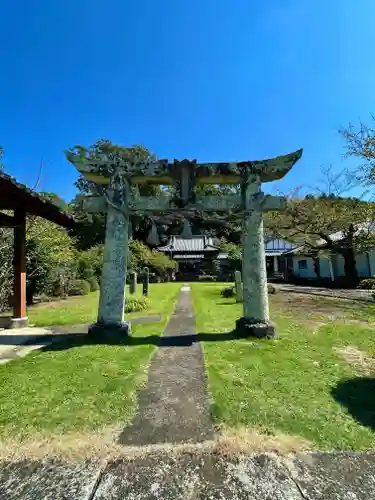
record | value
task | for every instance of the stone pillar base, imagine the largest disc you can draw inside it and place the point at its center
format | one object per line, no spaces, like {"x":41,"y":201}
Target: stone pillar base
{"x":18,"y":323}
{"x":245,"y":327}
{"x":105,"y":331}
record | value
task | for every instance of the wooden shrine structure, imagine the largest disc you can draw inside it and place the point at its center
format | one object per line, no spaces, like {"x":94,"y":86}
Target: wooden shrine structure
{"x":22,"y":201}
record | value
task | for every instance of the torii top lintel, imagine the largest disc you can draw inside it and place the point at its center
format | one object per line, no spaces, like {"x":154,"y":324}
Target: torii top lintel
{"x":163,"y":172}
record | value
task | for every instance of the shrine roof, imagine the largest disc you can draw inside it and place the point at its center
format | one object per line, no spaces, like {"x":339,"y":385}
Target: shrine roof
{"x":193,"y":244}
{"x":14,"y":195}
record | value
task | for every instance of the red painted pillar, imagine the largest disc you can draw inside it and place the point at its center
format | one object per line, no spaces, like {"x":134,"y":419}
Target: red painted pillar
{"x":19,"y":310}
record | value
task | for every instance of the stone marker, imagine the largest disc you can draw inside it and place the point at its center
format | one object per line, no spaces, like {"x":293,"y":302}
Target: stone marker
{"x":238,"y":286}
{"x":133,"y":282}
{"x":146,"y":280}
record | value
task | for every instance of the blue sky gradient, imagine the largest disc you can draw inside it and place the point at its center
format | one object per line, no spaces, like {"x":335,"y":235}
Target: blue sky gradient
{"x":207,"y":79}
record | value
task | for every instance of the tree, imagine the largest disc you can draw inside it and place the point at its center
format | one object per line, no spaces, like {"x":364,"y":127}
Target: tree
{"x":360,"y":143}
{"x":90,"y":228}
{"x":54,"y":198}
{"x":330,"y":224}
{"x":1,"y":158}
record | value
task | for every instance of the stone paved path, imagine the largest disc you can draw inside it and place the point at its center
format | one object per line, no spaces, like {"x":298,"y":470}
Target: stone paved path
{"x":19,"y":342}
{"x":174,"y":407}
{"x":195,"y":476}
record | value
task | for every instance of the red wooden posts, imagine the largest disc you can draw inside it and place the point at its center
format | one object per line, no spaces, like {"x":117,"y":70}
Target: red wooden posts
{"x":19,"y":309}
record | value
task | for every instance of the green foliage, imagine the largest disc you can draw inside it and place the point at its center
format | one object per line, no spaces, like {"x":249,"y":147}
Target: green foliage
{"x":94,"y":285}
{"x":90,"y":228}
{"x":79,"y":287}
{"x":234,"y":254}
{"x":85,"y":270}
{"x":54,"y":198}
{"x":367,"y":284}
{"x":93,"y":259}
{"x":271,"y":288}
{"x":360,"y":143}
{"x":6,"y":267}
{"x":50,"y":261}
{"x":228,"y":292}
{"x":206,"y":277}
{"x":135,"y":304}
{"x":157,"y":262}
{"x":51,"y":258}
{"x":313,"y":221}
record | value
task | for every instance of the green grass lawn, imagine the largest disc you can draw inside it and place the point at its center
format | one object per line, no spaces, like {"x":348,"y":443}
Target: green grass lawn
{"x":75,"y":386}
{"x":81,"y":309}
{"x":308,"y":383}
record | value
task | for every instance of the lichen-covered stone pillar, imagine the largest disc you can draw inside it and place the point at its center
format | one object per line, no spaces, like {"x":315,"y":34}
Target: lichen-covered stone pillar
{"x":113,"y":280}
{"x":255,"y":321}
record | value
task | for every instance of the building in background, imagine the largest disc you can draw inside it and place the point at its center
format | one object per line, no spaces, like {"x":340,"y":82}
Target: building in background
{"x":195,"y":256}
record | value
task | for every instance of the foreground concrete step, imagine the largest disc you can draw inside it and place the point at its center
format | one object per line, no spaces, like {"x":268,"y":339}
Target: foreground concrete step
{"x":195,"y":475}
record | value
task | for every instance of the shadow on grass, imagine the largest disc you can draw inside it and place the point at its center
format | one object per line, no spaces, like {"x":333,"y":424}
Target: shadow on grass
{"x":78,"y":340}
{"x":358,"y":396}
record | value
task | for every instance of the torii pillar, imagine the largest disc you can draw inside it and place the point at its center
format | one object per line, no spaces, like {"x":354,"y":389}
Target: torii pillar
{"x":256,"y":319}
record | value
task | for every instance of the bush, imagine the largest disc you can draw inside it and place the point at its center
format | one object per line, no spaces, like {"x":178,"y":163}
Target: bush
{"x":6,"y":268}
{"x":206,"y":277}
{"x":84,"y":269}
{"x":141,"y":256}
{"x":228,"y":292}
{"x":94,"y":285}
{"x":91,"y":262}
{"x":367,"y":284}
{"x":135,"y":304}
{"x":271,"y":289}
{"x":79,"y":287}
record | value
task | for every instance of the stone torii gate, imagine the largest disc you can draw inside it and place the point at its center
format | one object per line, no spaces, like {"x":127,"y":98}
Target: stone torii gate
{"x":118,"y":201}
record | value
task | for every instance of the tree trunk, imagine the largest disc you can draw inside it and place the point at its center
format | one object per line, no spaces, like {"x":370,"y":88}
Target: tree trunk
{"x":316,"y":261}
{"x":350,"y":268}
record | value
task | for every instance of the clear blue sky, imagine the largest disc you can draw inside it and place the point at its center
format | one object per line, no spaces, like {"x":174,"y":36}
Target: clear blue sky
{"x":214,"y":80}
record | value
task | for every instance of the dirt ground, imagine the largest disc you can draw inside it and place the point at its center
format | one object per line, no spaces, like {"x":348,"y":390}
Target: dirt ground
{"x":315,"y":311}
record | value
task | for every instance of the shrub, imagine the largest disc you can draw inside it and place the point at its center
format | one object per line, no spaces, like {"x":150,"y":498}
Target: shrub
{"x":271,"y":289}
{"x":367,"y":284}
{"x":141,"y":256}
{"x":91,"y":260}
{"x":134,"y":304}
{"x":84,"y":269}
{"x":206,"y":277}
{"x":79,"y":287}
{"x":228,"y":292}
{"x":6,"y":268}
{"x":94,"y":285}
{"x":50,"y":259}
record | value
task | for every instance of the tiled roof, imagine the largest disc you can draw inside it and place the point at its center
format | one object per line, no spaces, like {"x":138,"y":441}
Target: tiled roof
{"x":189,"y":256}
{"x":194,"y":244}
{"x":277,"y":246}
